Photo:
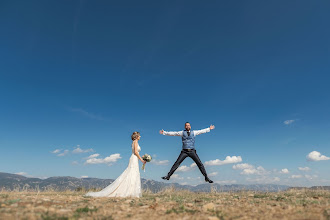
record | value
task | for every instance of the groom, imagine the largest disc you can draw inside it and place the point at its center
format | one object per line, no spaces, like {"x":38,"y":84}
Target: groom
{"x":188,"y":148}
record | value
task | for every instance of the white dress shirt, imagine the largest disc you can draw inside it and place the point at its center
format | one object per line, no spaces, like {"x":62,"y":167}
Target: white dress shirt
{"x":180,"y":133}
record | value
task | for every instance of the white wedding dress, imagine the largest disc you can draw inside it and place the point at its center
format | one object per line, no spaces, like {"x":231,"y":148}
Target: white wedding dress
{"x":128,"y":184}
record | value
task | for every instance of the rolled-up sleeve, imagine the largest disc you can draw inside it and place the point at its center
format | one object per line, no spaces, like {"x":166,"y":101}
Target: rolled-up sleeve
{"x":198,"y":132}
{"x":173,"y":133}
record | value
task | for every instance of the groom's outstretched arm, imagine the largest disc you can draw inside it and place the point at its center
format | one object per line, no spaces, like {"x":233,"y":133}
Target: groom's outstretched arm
{"x":171,"y":133}
{"x":198,"y":132}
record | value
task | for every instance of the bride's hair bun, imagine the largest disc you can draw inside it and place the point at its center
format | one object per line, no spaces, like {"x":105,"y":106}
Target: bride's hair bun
{"x":135,"y":135}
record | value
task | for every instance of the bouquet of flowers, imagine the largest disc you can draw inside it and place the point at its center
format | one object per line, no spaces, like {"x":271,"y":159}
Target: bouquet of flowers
{"x":147,"y":158}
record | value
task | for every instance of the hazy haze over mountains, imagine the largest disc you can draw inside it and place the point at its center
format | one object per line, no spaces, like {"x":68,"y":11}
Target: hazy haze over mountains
{"x":17,"y":182}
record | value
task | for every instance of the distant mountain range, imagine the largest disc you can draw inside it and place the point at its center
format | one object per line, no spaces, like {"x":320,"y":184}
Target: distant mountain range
{"x":313,"y":187}
{"x":17,"y":182}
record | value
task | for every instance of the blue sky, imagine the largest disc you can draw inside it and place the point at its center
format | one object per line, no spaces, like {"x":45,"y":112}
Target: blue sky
{"x":84,"y":75}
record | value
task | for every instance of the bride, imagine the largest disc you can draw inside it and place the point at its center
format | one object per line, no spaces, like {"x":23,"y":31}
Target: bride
{"x":128,"y":184}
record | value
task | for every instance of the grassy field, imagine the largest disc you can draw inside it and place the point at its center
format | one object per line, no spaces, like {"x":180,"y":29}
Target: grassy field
{"x":169,"y":204}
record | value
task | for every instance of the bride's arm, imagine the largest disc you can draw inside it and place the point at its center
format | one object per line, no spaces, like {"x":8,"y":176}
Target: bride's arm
{"x":136,"y":152}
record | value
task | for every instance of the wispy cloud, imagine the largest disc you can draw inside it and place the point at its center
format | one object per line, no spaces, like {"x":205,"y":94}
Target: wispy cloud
{"x":264,"y":179}
{"x":296,"y":176}
{"x":184,"y":183}
{"x":228,"y":160}
{"x":304,"y":168}
{"x":316,"y":156}
{"x":56,"y":151}
{"x":306,"y":176}
{"x":193,"y":178}
{"x":88,"y":114}
{"x":287,"y":122}
{"x":65,"y":152}
{"x":78,"y":150}
{"x":242,"y":166}
{"x":159,"y":162}
{"x":213,"y":174}
{"x":60,"y":153}
{"x":21,"y":173}
{"x":93,"y":156}
{"x":311,"y":177}
{"x":108,"y":160}
{"x":30,"y":176}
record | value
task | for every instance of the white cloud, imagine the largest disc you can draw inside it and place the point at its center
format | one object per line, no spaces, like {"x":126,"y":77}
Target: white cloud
{"x":108,"y":160}
{"x":248,"y":169}
{"x":258,"y":171}
{"x":285,"y":170}
{"x":242,"y":166}
{"x":213,"y":174}
{"x":21,"y":173}
{"x":287,"y":122}
{"x":261,"y":169}
{"x":74,"y":163}
{"x":316,"y":156}
{"x":184,"y":168}
{"x":304,"y":168}
{"x":184,"y":183}
{"x":159,"y":162}
{"x":56,"y":151}
{"x":30,"y":176}
{"x":228,"y":160}
{"x":308,"y":177}
{"x":78,"y":150}
{"x":176,"y":177}
{"x":198,"y":179}
{"x":87,"y":114}
{"x":296,"y":176}
{"x":65,"y":152}
{"x":84,"y":177}
{"x":93,"y":156}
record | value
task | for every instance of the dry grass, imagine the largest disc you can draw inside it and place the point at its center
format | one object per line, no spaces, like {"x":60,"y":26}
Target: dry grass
{"x":169,"y":204}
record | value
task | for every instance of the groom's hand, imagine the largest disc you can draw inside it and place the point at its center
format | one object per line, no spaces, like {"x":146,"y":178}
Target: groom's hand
{"x":161,"y":131}
{"x":212,"y":127}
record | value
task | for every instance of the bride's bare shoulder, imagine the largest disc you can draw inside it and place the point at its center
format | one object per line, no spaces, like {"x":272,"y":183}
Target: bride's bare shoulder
{"x":135,"y":143}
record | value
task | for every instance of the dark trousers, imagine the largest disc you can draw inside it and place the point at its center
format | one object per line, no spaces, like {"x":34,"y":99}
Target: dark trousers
{"x":193,"y":155}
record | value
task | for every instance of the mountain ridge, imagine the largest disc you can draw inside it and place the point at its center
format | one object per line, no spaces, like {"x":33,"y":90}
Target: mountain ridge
{"x":10,"y":181}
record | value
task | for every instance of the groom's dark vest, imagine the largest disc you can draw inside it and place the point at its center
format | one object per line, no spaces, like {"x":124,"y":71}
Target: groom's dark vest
{"x":188,"y":142}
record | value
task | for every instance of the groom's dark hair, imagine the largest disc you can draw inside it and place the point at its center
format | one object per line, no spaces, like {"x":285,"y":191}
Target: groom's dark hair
{"x":186,"y":123}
